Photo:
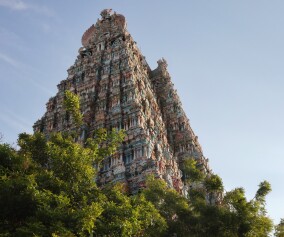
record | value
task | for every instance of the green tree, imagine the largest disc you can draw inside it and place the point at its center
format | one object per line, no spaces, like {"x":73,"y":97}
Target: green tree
{"x":279,"y":229}
{"x":48,"y":187}
{"x":190,"y":171}
{"x":172,"y":206}
{"x":249,"y":217}
{"x":232,"y":215}
{"x":213,"y":183}
{"x":128,"y":216}
{"x":103,"y":142}
{"x":72,"y":105}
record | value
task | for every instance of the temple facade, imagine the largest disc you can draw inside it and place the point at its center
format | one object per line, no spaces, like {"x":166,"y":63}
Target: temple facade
{"x":118,"y":89}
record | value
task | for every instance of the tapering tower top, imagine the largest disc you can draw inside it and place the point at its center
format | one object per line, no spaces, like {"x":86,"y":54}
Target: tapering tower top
{"x":110,"y":24}
{"x":162,"y":63}
{"x":106,"y":13}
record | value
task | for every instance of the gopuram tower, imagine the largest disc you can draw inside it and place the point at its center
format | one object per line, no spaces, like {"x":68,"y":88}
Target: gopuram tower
{"x":117,"y":89}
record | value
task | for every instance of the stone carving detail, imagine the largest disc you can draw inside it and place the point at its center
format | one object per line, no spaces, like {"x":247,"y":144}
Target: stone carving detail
{"x":87,"y":35}
{"x":118,"y":90}
{"x":106,"y":13}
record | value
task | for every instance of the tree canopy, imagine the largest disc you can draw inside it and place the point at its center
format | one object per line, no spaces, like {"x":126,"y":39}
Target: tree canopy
{"x":48,"y":188}
{"x":279,"y":229}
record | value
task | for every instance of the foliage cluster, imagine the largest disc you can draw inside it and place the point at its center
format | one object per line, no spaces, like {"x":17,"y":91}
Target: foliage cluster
{"x":48,"y":188}
{"x":72,"y":105}
{"x":279,"y":229}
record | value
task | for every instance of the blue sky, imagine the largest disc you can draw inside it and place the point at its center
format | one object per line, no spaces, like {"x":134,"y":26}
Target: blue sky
{"x":225,"y":57}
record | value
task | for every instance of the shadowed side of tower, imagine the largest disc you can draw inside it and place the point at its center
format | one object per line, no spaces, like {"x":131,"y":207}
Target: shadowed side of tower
{"x":184,"y":143}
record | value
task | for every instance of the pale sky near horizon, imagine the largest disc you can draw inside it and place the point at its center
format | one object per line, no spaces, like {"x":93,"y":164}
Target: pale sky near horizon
{"x":225,"y":58}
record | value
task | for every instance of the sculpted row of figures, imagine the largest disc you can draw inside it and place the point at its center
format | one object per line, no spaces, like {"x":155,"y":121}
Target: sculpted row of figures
{"x":118,"y":89}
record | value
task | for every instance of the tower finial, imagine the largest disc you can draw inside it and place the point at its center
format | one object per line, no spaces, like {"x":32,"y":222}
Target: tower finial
{"x":162,"y":63}
{"x":106,"y":13}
